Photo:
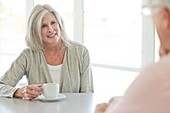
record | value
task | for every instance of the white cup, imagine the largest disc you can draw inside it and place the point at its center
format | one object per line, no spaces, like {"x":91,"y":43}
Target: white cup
{"x":50,"y":90}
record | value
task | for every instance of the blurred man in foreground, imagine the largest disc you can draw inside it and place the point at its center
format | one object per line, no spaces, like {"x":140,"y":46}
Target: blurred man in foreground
{"x":150,"y":91}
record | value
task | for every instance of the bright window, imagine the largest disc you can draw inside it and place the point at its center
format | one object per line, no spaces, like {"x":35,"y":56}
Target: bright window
{"x":12,"y":31}
{"x":113,"y":32}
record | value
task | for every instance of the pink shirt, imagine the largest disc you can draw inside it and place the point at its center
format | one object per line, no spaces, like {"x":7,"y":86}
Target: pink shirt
{"x":149,"y":93}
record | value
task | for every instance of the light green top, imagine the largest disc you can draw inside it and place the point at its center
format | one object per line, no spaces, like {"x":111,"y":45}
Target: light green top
{"x":76,"y":73}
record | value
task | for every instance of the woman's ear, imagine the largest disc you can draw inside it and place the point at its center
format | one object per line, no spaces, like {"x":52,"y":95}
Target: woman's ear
{"x":165,"y":18}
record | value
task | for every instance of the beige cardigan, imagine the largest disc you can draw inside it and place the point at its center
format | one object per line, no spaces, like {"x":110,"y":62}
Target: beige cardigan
{"x":76,"y":73}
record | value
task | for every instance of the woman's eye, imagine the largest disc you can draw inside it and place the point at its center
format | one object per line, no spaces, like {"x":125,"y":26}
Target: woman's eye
{"x":43,"y":26}
{"x":53,"y":23}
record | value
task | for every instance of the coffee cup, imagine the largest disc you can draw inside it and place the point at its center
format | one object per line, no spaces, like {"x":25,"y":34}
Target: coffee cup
{"x":50,"y":90}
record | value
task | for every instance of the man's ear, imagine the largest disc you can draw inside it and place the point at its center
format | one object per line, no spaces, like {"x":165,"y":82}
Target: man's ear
{"x":165,"y":18}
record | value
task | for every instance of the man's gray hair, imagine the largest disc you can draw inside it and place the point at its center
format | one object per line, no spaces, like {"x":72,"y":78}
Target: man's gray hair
{"x":153,"y":5}
{"x":33,"y":34}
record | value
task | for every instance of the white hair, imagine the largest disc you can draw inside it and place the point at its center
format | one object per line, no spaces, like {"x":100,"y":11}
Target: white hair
{"x":33,"y":34}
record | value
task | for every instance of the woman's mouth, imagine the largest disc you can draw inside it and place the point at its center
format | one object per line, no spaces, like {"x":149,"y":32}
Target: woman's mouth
{"x":52,"y":35}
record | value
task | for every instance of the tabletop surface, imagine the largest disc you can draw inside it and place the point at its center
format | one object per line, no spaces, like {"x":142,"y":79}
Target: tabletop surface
{"x":74,"y":103}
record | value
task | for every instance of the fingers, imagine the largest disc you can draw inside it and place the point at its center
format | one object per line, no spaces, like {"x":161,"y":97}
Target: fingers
{"x":101,"y":108}
{"x":32,"y":91}
{"x":28,"y":96}
{"x":111,"y":100}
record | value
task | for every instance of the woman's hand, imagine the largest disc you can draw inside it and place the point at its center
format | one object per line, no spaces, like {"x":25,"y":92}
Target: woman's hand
{"x":29,"y":92}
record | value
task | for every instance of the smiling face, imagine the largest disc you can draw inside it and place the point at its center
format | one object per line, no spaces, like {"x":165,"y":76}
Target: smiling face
{"x":50,"y":29}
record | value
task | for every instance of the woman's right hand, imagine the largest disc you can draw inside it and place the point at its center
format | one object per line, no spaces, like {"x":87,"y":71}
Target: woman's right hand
{"x":29,"y":92}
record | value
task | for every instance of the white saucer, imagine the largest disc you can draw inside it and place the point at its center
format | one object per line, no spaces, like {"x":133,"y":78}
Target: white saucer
{"x":59,"y":97}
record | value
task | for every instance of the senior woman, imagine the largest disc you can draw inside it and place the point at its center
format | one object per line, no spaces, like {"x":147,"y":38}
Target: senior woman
{"x":150,"y":91}
{"x":50,"y":57}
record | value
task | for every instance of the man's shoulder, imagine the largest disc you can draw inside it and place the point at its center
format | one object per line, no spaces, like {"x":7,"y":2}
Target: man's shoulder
{"x":162,"y":65}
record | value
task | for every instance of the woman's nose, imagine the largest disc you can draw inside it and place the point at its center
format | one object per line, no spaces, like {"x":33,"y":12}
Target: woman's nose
{"x":50,"y":29}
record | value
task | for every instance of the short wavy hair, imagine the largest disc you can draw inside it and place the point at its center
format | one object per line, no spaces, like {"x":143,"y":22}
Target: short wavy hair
{"x":33,"y":34}
{"x":154,"y":5}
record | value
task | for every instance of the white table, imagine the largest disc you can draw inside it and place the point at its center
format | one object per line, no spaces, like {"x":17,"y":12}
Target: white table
{"x":74,"y":103}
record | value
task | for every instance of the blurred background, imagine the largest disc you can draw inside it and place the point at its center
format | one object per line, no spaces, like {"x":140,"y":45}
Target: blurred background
{"x":119,"y":38}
